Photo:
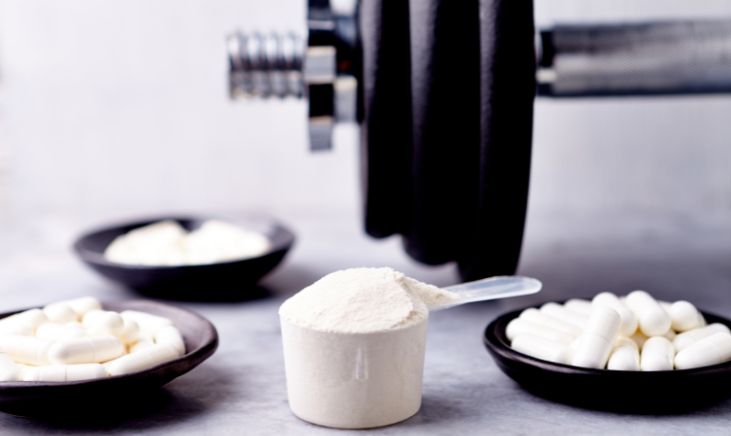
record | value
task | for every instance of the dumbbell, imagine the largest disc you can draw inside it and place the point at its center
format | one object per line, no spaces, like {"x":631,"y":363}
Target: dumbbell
{"x":443,"y":92}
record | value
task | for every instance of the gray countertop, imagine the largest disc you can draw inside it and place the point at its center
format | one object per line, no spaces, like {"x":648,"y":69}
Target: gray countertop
{"x":241,"y":389}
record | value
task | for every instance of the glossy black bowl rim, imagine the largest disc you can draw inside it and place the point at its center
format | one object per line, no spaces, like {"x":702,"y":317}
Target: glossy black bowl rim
{"x":495,"y":343}
{"x":204,"y":351}
{"x":97,"y":258}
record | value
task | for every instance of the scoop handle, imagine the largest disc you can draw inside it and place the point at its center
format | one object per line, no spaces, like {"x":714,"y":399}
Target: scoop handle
{"x":492,"y":288}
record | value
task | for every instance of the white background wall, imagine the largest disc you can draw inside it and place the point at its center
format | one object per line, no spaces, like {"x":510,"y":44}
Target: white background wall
{"x":118,"y":108}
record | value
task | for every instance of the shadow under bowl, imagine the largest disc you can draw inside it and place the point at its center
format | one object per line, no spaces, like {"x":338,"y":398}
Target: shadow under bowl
{"x":46,"y":399}
{"x":620,"y":391}
{"x":231,"y":280}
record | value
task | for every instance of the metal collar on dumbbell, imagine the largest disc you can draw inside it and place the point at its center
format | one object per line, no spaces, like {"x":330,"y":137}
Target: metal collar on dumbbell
{"x":325,"y":69}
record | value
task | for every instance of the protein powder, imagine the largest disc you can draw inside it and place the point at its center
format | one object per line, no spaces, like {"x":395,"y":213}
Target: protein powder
{"x":354,"y":346}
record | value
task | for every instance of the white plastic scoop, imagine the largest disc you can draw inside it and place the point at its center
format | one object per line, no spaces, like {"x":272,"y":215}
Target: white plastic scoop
{"x":492,"y":288}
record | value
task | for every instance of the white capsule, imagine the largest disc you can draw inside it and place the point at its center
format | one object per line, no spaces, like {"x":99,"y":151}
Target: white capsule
{"x":520,"y":326}
{"x":560,"y":313}
{"x":82,"y":305}
{"x":578,"y":305}
{"x":9,"y":371}
{"x":534,"y":315}
{"x":141,"y":344}
{"x":685,"y":316}
{"x":103,"y":323}
{"x":45,"y":373}
{"x":595,"y":344}
{"x":85,"y":371}
{"x":169,"y":335}
{"x":59,"y":312}
{"x":25,"y":349}
{"x":710,"y":350}
{"x":541,"y":348}
{"x":625,"y":356}
{"x":22,"y":323}
{"x":603,"y":322}
{"x":657,"y":354}
{"x":148,"y":323}
{"x":63,"y":373}
{"x":17,"y":328}
{"x":653,"y":319}
{"x":141,"y":360}
{"x":627,"y":317}
{"x":54,"y":330}
{"x":685,"y":339}
{"x":590,"y":351}
{"x":130,"y":332}
{"x":85,"y":350}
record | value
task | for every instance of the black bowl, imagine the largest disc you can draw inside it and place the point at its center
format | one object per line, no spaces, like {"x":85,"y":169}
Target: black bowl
{"x":232,"y":280}
{"x":59,"y":398}
{"x":622,"y":391}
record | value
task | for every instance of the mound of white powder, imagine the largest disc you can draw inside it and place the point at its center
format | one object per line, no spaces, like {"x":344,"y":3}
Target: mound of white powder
{"x":363,"y":300}
{"x":167,"y":243}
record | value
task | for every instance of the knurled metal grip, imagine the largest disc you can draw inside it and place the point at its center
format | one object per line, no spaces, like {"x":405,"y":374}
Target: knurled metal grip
{"x":323,"y":67}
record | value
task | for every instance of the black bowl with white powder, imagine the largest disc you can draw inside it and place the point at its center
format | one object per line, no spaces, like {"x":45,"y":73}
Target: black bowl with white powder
{"x":229,"y":280}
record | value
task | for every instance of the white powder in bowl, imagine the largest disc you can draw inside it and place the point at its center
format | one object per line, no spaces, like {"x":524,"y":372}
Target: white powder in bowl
{"x":167,"y":243}
{"x":363,"y":300}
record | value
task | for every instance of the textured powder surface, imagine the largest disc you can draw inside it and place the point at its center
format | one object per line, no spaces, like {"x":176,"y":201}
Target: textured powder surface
{"x":363,"y":300}
{"x":168,"y":243}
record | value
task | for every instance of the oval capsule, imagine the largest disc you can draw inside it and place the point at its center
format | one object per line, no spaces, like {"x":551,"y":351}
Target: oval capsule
{"x":685,"y":316}
{"x":23,"y":323}
{"x":653,"y":320}
{"x":54,"y":330}
{"x":25,"y":349}
{"x":46,"y":373}
{"x":170,"y":336}
{"x":130,"y":332}
{"x":147,"y":322}
{"x":625,"y":356}
{"x":534,"y":315}
{"x":141,"y":344}
{"x":9,"y":370}
{"x":103,"y":323}
{"x":520,"y":326}
{"x":685,"y":339}
{"x":141,"y":360}
{"x":541,"y":348}
{"x":628,"y":319}
{"x":59,"y":312}
{"x":710,"y":350}
{"x":595,"y":344}
{"x":63,"y":373}
{"x":657,"y":354}
{"x":85,"y":371}
{"x":82,"y":305}
{"x":85,"y":350}
{"x":560,"y":313}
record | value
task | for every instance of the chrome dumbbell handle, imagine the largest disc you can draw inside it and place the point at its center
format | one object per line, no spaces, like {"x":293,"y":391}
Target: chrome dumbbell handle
{"x":653,"y":58}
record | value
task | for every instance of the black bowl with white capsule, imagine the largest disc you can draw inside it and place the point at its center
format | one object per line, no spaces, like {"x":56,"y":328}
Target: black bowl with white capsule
{"x":620,"y":391}
{"x":233,"y":280}
{"x":49,"y":399}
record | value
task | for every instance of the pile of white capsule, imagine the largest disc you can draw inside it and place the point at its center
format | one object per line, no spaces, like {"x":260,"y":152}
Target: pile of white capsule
{"x":77,"y":340}
{"x":632,"y":333}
